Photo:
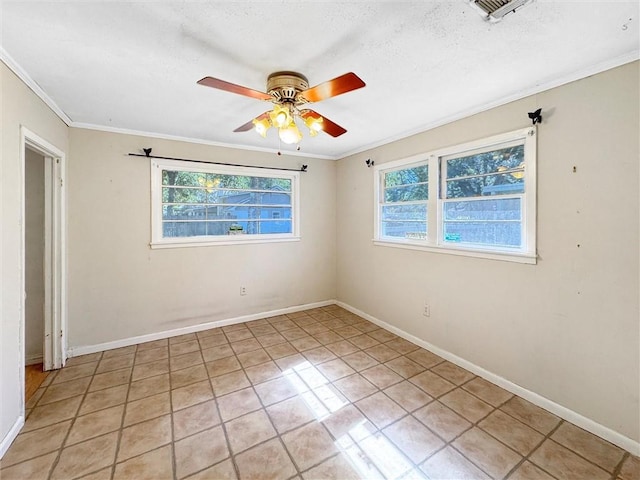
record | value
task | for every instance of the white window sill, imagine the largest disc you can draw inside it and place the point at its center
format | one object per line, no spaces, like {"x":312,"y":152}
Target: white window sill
{"x":230,"y":240}
{"x":507,"y":257}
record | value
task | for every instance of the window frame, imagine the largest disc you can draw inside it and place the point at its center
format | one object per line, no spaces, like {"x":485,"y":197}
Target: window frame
{"x":158,"y":241}
{"x":379,"y":188}
{"x":436,"y":163}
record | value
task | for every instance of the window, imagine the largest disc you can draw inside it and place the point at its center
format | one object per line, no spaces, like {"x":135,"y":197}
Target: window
{"x":200,"y":204}
{"x":403,"y":212}
{"x":474,"y":199}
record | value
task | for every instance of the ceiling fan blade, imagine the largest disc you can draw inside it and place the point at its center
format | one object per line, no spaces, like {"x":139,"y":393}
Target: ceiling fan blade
{"x":332,"y":128}
{"x":246,"y":127}
{"x":342,"y":84}
{"x":249,"y":125}
{"x":328,"y":126}
{"x":233,"y":88}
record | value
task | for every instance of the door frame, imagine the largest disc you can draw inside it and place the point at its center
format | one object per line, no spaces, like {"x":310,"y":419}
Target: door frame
{"x":55,"y":260}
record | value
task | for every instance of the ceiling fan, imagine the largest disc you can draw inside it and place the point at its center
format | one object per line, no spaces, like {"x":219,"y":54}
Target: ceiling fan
{"x":290,"y":92}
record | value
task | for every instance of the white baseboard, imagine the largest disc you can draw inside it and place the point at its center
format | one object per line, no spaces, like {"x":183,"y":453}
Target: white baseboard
{"x":125,"y":342}
{"x":33,"y":359}
{"x":555,"y":408}
{"x":11,"y":435}
{"x":581,"y":421}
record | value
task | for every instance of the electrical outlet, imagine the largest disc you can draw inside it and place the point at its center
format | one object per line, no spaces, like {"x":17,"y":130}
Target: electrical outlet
{"x":243,"y":290}
{"x":427,"y":310}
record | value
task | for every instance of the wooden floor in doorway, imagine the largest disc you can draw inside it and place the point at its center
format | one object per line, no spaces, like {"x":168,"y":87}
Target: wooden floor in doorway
{"x":34,"y":376}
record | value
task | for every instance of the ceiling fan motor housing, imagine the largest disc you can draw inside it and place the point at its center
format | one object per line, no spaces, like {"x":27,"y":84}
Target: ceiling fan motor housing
{"x":284,"y":87}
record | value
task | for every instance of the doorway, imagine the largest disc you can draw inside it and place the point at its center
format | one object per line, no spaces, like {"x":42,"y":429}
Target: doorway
{"x":43,"y":312}
{"x":34,"y":239}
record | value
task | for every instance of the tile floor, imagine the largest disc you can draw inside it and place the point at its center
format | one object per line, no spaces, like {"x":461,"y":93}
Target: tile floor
{"x":320,"y":394}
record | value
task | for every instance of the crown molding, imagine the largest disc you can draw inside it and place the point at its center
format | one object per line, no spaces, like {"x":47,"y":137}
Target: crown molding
{"x":571,"y":77}
{"x":199,"y":141}
{"x":40,"y":93}
{"x":541,"y":87}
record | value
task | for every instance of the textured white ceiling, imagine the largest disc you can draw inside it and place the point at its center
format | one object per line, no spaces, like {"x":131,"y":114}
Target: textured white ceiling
{"x":134,"y":65}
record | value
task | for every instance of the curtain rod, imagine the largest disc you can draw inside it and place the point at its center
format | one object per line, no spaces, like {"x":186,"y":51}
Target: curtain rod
{"x":147,"y":154}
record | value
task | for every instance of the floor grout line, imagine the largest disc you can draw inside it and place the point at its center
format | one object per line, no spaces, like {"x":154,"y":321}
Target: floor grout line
{"x":326,"y":325}
{"x":174,"y":461}
{"x":618,"y":469}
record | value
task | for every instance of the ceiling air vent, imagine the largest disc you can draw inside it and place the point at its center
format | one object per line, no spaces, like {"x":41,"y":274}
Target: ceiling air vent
{"x":494,"y":10}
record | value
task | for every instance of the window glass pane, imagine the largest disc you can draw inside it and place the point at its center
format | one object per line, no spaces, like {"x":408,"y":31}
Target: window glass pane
{"x":404,"y":221}
{"x":500,"y":184}
{"x":220,"y":228}
{"x":275,"y":226}
{"x":214,"y":213}
{"x":271,"y":198}
{"x":406,"y":193}
{"x":416,"y":212}
{"x":239,"y":212}
{"x":183,"y":212}
{"x":213,"y":180}
{"x":257,"y":227}
{"x":406,"y":176}
{"x":239,"y":227}
{"x":275,"y":184}
{"x":257,"y":198}
{"x":183,"y":195}
{"x":498,"y":209}
{"x":222,"y":196}
{"x":484,"y":222}
{"x":183,"y":229}
{"x":487,"y":162}
{"x":400,"y":229}
{"x":250,"y":183}
{"x":199,"y":212}
{"x":407,"y":189}
{"x":231,"y":181}
{"x":278,"y":213}
{"x":187,"y":179}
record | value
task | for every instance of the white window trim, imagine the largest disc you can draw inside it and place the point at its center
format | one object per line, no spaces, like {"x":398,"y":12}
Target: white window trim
{"x":433,"y":243}
{"x":158,"y":242}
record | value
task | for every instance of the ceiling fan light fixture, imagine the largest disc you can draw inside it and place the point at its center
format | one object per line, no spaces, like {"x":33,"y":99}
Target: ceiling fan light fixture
{"x":314,"y":124}
{"x":290,"y":134}
{"x":280,"y":116}
{"x":261,"y":126}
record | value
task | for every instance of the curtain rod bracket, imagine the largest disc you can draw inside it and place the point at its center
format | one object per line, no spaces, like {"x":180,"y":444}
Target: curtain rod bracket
{"x":536,"y":116}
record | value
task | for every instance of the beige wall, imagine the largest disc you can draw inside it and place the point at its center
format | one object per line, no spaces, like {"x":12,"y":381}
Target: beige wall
{"x":566,"y":328}
{"x":34,"y":256}
{"x":119,"y":287}
{"x":19,"y":107}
